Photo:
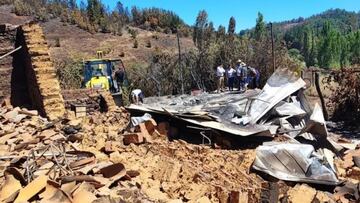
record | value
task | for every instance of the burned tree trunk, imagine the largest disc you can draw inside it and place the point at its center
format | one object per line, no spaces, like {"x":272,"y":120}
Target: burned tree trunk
{"x":322,"y":100}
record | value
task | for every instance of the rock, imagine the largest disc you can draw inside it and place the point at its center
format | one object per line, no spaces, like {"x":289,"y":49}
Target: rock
{"x":46,"y":134}
{"x":84,"y":196}
{"x":301,"y":194}
{"x":238,"y":197}
{"x":32,"y":189}
{"x":203,"y":199}
{"x":356,"y":160}
{"x":135,"y":138}
{"x":354,"y":174}
{"x":144,"y":132}
{"x":29,"y":112}
{"x":150,"y":125}
{"x":10,"y":186}
{"x":195,"y":191}
{"x":115,"y":157}
{"x":175,"y":201}
{"x":11,"y":115}
{"x":322,"y":197}
{"x":221,"y":194}
{"x":50,"y":190}
{"x":8,"y":136}
{"x":75,"y":122}
{"x":68,"y":187}
{"x":18,"y":118}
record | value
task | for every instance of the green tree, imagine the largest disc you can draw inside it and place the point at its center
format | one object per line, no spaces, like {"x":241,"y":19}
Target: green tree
{"x":199,"y":29}
{"x":308,"y":48}
{"x":82,"y":6}
{"x":220,"y":34}
{"x":95,"y":11}
{"x":260,"y":28}
{"x":329,"y":47}
{"x":354,"y":46}
{"x":232,"y":25}
{"x":344,"y":51}
{"x":72,"y":4}
{"x":136,"y":15}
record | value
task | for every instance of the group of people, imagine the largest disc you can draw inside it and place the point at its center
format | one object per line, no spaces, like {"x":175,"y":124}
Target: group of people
{"x":241,"y":75}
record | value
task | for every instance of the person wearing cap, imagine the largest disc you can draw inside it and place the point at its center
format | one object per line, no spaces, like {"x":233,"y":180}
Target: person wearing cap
{"x":137,"y":96}
{"x":99,"y":81}
{"x":220,"y":71}
{"x":230,"y":74}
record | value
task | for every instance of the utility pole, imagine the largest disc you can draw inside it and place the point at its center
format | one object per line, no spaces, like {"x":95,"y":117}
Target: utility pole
{"x":180,"y":66}
{"x":272,"y":46}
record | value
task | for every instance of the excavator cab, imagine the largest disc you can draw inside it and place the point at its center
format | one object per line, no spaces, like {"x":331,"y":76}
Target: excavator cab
{"x":99,"y":69}
{"x":106,"y":74}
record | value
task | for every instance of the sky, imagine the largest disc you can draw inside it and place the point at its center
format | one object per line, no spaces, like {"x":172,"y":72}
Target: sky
{"x":244,"y":11}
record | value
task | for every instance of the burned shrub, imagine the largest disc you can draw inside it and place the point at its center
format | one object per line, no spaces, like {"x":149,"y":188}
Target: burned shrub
{"x":345,"y":99}
{"x":136,"y":44}
{"x":70,"y":73}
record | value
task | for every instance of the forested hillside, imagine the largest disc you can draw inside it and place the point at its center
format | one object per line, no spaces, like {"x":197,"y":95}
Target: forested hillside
{"x":147,"y":42}
{"x":328,"y":40}
{"x":94,"y":16}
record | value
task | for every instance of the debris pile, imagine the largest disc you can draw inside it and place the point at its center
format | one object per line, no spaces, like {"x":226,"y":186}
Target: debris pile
{"x":280,"y":110}
{"x":92,"y":100}
{"x":42,"y":160}
{"x":186,"y":172}
{"x":112,"y":157}
{"x":39,"y":162}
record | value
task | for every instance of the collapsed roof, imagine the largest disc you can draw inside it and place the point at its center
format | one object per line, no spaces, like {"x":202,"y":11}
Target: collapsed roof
{"x":279,"y":108}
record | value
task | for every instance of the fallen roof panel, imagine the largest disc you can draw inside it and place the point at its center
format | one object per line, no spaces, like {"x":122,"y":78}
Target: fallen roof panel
{"x":280,"y":85}
{"x":293,"y":162}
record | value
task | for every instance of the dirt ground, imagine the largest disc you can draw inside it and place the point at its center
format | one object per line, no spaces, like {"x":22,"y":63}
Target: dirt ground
{"x":77,"y":43}
{"x":106,"y":162}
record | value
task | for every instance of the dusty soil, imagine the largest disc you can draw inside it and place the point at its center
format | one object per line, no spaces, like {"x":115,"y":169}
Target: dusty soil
{"x":7,"y":17}
{"x":75,"y":42}
{"x":79,"y":44}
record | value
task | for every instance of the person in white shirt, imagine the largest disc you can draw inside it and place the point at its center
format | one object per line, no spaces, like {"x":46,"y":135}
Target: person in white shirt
{"x":220,"y":71}
{"x":238,"y":74}
{"x":243,"y":76}
{"x":137,"y":96}
{"x":230,"y":74}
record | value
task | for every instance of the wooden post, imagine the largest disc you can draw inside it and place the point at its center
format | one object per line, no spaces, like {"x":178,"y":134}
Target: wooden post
{"x":272,"y":46}
{"x":317,"y":85}
{"x":180,"y":66}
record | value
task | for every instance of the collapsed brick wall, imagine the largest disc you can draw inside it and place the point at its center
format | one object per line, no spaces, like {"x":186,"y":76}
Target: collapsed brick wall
{"x":30,"y":73}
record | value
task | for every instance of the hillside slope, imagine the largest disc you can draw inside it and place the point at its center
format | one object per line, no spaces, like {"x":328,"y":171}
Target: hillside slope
{"x":75,"y":42}
{"x":342,"y":20}
{"x":79,"y":44}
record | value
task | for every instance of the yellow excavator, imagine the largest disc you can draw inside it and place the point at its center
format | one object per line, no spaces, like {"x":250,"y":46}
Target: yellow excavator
{"x":106,"y":74}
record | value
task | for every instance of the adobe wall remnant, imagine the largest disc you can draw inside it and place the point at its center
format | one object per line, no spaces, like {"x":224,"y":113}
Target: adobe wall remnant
{"x":28,"y":76}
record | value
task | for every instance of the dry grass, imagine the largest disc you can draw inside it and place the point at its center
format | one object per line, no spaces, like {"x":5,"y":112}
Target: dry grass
{"x":75,"y":41}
